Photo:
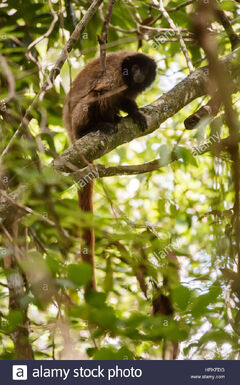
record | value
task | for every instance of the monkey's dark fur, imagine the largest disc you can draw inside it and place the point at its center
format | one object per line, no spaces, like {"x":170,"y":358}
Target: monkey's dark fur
{"x":95,"y":99}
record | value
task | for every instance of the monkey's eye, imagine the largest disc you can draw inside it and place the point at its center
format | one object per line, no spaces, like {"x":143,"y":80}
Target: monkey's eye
{"x":135,"y":68}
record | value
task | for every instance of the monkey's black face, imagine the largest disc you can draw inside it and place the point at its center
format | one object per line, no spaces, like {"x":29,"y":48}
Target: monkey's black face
{"x":137,"y":74}
{"x":139,"y":71}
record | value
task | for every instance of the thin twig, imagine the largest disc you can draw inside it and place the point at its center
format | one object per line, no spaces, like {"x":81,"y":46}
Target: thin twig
{"x":138,"y":16}
{"x":114,"y":26}
{"x":208,"y":110}
{"x":40,"y":38}
{"x":131,"y":14}
{"x":38,"y":241}
{"x":180,"y":6}
{"x":223,"y":19}
{"x":174,"y":9}
{"x":177,"y":31}
{"x":103,"y":39}
{"x":228,"y":308}
{"x":4,"y":285}
{"x":132,"y":39}
{"x":10,"y":79}
{"x":28,"y":210}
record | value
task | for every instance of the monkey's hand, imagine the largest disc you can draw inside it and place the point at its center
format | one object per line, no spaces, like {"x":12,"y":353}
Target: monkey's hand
{"x":140,"y":120}
{"x":108,"y":128}
{"x":131,"y":108}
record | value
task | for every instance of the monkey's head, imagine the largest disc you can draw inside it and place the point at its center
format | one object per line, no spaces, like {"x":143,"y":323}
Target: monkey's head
{"x":138,"y":71}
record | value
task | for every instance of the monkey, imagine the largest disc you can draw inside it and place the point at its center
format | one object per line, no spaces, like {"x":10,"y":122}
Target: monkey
{"x":95,"y":99}
{"x":93,"y":103}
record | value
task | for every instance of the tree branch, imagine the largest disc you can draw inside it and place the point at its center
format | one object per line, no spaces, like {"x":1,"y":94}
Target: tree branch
{"x":210,"y":109}
{"x":100,"y":171}
{"x":178,"y":33}
{"x":94,"y":171}
{"x":103,"y":38}
{"x":223,"y":19}
{"x":10,"y":79}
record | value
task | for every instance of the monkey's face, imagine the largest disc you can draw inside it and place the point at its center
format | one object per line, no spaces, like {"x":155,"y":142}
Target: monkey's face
{"x":138,"y":71}
{"x":137,"y":74}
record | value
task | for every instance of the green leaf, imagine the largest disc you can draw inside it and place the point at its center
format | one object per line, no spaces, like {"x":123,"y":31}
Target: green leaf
{"x":185,"y":154}
{"x":14,"y":318}
{"x":200,"y":305}
{"x":109,"y":353}
{"x":95,"y":299}
{"x":181,"y":296}
{"x":218,"y":336}
{"x":80,"y":274}
{"x":105,"y":354}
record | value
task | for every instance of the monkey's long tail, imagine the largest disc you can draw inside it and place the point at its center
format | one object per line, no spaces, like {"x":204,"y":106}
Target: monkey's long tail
{"x":85,"y":201}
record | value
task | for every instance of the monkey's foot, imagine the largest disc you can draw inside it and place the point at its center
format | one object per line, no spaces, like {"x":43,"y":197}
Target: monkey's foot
{"x":117,"y":119}
{"x":109,"y":128}
{"x":140,"y":120}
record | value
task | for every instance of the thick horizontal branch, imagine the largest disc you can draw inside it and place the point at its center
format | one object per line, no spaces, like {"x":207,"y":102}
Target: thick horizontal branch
{"x":96,"y":144}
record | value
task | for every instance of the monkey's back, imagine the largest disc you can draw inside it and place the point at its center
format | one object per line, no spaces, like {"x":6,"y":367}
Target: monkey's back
{"x":90,"y":87}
